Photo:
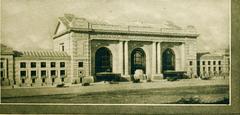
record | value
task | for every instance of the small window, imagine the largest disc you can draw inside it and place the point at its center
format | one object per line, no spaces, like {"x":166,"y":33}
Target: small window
{"x":219,"y":68}
{"x":23,"y":80}
{"x":190,"y":62}
{"x":62,"y":72}
{"x":62,"y":64}
{"x":214,"y":62}
{"x":33,"y":64}
{"x":53,"y":72}
{"x":23,"y":65}
{"x":1,"y":64}
{"x":80,"y":64}
{"x":209,"y":68}
{"x":209,"y":62}
{"x":33,"y":73}
{"x":33,"y":80}
{"x":2,"y":74}
{"x":43,"y":73}
{"x":43,"y":80}
{"x":62,"y":79}
{"x":214,"y":68}
{"x":203,"y":63}
{"x":204,"y":69}
{"x":43,"y":64}
{"x":23,"y":73}
{"x":53,"y":80}
{"x":53,"y":64}
{"x":61,"y":46}
{"x":219,"y":62}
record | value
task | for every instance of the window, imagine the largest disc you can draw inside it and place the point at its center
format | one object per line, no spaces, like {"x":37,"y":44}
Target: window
{"x":33,"y":80}
{"x":33,"y":73}
{"x":219,"y":62}
{"x":203,"y":68}
{"x":43,"y":73}
{"x":22,"y":64}
{"x":62,"y":72}
{"x":43,"y":80}
{"x":53,"y":72}
{"x":53,"y":80}
{"x":214,"y":68}
{"x":62,"y":64}
{"x":203,"y":62}
{"x":23,"y":80}
{"x":2,"y":74}
{"x":22,"y":73}
{"x":53,"y":64}
{"x":219,"y":68}
{"x":1,"y":64}
{"x":209,"y":62}
{"x":214,"y":62}
{"x":33,"y":64}
{"x":61,"y":46}
{"x":62,"y":79}
{"x":198,"y":62}
{"x":43,"y":64}
{"x":190,"y":62}
{"x":80,"y":64}
{"x":209,"y":68}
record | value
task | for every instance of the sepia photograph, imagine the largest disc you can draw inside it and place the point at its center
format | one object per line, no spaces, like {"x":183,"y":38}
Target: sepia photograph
{"x":116,"y":53}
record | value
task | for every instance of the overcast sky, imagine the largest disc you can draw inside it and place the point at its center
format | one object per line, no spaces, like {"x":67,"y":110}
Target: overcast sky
{"x":29,"y":24}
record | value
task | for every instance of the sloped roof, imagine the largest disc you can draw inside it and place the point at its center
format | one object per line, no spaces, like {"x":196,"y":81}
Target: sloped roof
{"x":6,"y":50}
{"x":43,"y":53}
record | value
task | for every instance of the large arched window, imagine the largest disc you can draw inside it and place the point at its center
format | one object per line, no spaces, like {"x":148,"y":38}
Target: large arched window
{"x":168,"y":60}
{"x":103,"y":60}
{"x":138,"y":60}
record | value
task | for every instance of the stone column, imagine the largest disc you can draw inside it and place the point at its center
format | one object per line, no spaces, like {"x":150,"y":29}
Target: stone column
{"x":183,"y":57}
{"x":121,"y":57}
{"x":154,"y":61}
{"x":159,"y":58}
{"x":126,"y":57}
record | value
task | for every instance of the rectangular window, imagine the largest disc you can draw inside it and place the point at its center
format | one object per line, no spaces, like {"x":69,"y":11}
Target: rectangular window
{"x":33,"y":73}
{"x":2,"y":74}
{"x":190,"y":63}
{"x":209,"y":68}
{"x":1,"y":64}
{"x":43,"y":64}
{"x":33,"y":80}
{"x":62,"y":79}
{"x":53,"y":72}
{"x":23,"y":73}
{"x":209,"y":62}
{"x":214,"y":68}
{"x":22,"y":64}
{"x":214,"y":62}
{"x":203,"y":63}
{"x":219,"y":62}
{"x":62,"y":64}
{"x":61,"y":46}
{"x":43,"y":73}
{"x":80,"y":64}
{"x":33,"y":64}
{"x":23,"y":80}
{"x":43,"y":80}
{"x":53,"y":80}
{"x":53,"y":64}
{"x":219,"y":68}
{"x":62,"y":72}
{"x":203,"y":68}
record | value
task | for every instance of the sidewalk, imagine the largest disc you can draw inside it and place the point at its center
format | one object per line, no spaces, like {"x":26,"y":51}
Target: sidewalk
{"x":101,"y":86}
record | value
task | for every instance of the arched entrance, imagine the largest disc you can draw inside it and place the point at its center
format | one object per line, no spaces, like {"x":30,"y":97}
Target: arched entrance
{"x":138,"y":60}
{"x":168,"y":60}
{"x":103,"y":60}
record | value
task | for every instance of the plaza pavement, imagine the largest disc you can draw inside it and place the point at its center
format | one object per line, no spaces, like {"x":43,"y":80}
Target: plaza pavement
{"x":101,"y":86}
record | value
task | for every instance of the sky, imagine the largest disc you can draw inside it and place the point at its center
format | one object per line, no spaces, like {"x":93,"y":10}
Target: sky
{"x":29,"y":24}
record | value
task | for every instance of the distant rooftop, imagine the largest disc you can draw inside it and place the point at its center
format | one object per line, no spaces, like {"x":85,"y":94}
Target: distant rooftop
{"x":5,"y":49}
{"x":43,"y":53}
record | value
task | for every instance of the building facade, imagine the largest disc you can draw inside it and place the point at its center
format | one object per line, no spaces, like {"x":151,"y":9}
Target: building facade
{"x":212,"y":64}
{"x":82,"y":48}
{"x":123,"y":49}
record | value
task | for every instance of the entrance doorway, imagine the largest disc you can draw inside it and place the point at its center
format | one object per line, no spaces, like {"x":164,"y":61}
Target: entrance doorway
{"x":103,"y":60}
{"x":168,"y":60}
{"x":138,"y":60}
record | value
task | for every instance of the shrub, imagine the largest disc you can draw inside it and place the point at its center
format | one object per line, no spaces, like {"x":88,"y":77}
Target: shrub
{"x":191,"y":100}
{"x":60,"y":85}
{"x":87,"y":80}
{"x":172,"y":78}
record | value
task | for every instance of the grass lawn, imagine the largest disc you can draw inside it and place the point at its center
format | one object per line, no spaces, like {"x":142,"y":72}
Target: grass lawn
{"x":207,"y":94}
